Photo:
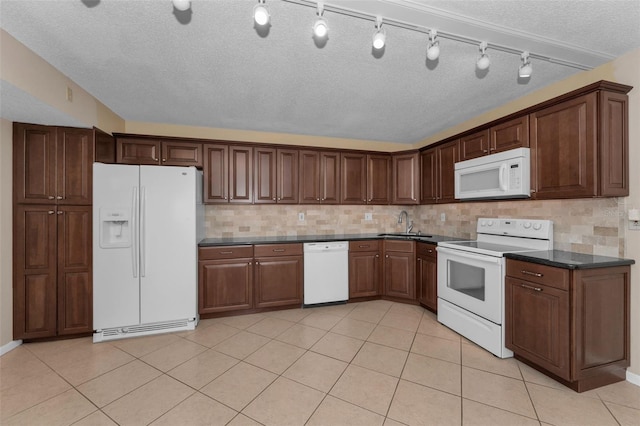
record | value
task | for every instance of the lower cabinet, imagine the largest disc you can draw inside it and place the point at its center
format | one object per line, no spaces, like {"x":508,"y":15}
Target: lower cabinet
{"x":427,"y":275}
{"x":399,"y":269}
{"x":278,"y":275}
{"x":572,"y":324}
{"x":365,"y":268}
{"x":225,"y":278}
{"x":53,"y":271}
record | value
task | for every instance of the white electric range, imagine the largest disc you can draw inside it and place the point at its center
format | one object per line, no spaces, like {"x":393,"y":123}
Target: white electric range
{"x":471,"y":277}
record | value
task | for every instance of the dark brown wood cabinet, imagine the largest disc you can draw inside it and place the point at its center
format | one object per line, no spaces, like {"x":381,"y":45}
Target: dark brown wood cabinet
{"x":474,"y":145}
{"x":319,"y":181}
{"x":228,"y":171}
{"x":399,"y":269}
{"x":365,"y":178}
{"x":378,"y":179}
{"x":437,"y":167}
{"x":52,"y":165}
{"x":509,"y":135}
{"x":365,"y":268}
{"x":137,"y":151}
{"x":427,"y":275}
{"x":105,"y":147}
{"x":52,"y":271}
{"x":275,"y":176}
{"x":225,"y":278}
{"x":144,"y":150}
{"x":571,"y":324}
{"x":278,"y":275}
{"x":405,"y":181}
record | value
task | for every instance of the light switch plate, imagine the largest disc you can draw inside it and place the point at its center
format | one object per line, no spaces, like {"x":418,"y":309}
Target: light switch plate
{"x":301,"y":217}
{"x":443,"y":217}
{"x":634,"y":225}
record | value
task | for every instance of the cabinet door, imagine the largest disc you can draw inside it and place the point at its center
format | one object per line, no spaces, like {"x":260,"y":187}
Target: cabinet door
{"x":137,"y":151}
{"x":35,"y":258}
{"x":309,"y":177}
{"x":510,"y":135}
{"x":378,"y":179}
{"x":563,"y":142}
{"x":181,"y":154}
{"x":354,"y":178}
{"x":614,"y":145}
{"x":429,"y":176}
{"x":74,"y":153}
{"x":225,"y":285}
{"x":240,"y":174}
{"x":34,"y":166}
{"x":216,"y":174}
{"x":474,"y":146}
{"x":104,"y":147}
{"x":278,"y":281}
{"x":537,"y":325}
{"x":265,"y":176}
{"x":399,"y":273}
{"x":427,"y":280}
{"x":287,"y":176}
{"x":364,"y":274}
{"x":330,"y":177}
{"x":75,"y":296}
{"x":405,"y":178}
{"x":447,"y":158}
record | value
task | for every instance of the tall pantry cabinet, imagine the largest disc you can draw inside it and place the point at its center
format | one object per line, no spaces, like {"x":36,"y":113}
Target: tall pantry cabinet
{"x":52,"y":259}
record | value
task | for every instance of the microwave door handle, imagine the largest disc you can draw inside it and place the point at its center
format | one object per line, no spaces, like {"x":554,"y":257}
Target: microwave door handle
{"x":501,"y":177}
{"x":467,"y":255}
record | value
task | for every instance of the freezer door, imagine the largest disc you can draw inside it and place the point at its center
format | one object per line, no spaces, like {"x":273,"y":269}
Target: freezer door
{"x":116,"y":289}
{"x":168,"y":245}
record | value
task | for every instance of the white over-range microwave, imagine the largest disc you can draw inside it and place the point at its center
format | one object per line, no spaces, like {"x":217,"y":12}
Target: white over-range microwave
{"x":503,"y":175}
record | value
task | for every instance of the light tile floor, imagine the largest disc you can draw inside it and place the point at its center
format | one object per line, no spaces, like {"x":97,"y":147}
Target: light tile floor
{"x":371,"y":363}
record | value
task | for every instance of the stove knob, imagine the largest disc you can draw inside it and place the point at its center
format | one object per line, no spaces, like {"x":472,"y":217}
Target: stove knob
{"x":527,"y":225}
{"x":537,"y":226}
{"x":490,"y":223}
{"x":483,"y":223}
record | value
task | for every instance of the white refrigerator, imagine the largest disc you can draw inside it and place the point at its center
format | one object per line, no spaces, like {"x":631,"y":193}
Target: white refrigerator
{"x":147,"y":222}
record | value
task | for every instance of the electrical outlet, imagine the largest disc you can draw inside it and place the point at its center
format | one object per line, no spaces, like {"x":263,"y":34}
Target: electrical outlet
{"x":443,"y":217}
{"x":368,"y":216}
{"x":301,"y":217}
{"x":634,"y":225}
{"x":69,"y":94}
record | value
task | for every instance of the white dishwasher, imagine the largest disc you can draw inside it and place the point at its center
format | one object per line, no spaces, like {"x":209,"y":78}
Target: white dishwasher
{"x":326,"y":272}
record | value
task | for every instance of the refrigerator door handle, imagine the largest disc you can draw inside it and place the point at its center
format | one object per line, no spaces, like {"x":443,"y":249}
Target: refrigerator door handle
{"x":134,"y":223}
{"x":143,"y":230}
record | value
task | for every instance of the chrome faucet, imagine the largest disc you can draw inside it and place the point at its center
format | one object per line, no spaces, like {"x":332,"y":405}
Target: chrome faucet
{"x":409,"y":224}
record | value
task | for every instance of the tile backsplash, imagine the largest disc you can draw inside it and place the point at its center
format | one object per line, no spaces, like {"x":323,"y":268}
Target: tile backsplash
{"x":594,"y":226}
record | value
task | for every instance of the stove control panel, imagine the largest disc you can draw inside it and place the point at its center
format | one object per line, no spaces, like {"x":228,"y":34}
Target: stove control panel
{"x":526,"y":228}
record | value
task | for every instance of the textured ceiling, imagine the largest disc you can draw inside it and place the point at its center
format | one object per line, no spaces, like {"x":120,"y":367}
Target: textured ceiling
{"x":217,"y":70}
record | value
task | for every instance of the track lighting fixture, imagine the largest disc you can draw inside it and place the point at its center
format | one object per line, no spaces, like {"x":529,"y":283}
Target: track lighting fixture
{"x":433,"y":51}
{"x":320,"y":28}
{"x":483,"y":61}
{"x":525,"y":69}
{"x":182,"y":5}
{"x":261,"y":13}
{"x":379,"y":36}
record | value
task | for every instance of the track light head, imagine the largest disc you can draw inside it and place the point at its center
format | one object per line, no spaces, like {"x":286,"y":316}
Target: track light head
{"x":525,"y":69}
{"x":320,"y":27}
{"x":483,"y":61}
{"x":182,"y":5}
{"x":433,"y":51}
{"x":261,"y":14}
{"x":379,"y":36}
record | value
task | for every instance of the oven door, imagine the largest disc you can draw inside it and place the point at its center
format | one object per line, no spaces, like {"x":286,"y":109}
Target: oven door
{"x":472,"y":281}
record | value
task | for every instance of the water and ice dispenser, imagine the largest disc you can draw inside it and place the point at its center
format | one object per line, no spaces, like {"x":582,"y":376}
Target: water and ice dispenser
{"x":115,"y":228}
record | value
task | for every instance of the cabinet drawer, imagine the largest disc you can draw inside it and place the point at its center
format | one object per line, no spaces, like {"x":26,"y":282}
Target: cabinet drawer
{"x":224,"y":252}
{"x":396,"y":245}
{"x":540,"y":274}
{"x":425,"y":249}
{"x":365,"y":245}
{"x":271,"y":250}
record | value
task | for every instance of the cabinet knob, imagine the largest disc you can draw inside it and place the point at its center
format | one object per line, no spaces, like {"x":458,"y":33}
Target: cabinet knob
{"x":50,"y":212}
{"x":377,"y":255}
{"x":274,"y":198}
{"x":164,"y":160}
{"x":231,"y":198}
{"x":154,"y":158}
{"x":279,"y":198}
{"x":60,"y":212}
{"x":51,"y":197}
{"x":387,"y":256}
{"x":485,"y":151}
{"x":59,"y":197}
{"x":430,"y":251}
{"x":419,"y":260}
{"x":317,"y":199}
{"x":249,"y":263}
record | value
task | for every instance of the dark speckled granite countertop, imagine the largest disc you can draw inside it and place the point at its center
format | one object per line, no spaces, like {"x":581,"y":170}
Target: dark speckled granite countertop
{"x":426,"y":238}
{"x":569,"y":260}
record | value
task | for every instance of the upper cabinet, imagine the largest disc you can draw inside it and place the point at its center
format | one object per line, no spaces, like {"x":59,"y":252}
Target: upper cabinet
{"x":509,"y":135}
{"x":150,"y":151}
{"x":52,"y":165}
{"x":365,"y":178}
{"x":579,"y":147}
{"x":437,"y":173}
{"x":275,"y":176}
{"x":228,"y":171}
{"x":405,"y":181}
{"x":319,"y":177}
{"x":474,"y":145}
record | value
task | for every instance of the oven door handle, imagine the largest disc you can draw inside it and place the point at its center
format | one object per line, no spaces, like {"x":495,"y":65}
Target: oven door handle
{"x":467,"y":255}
